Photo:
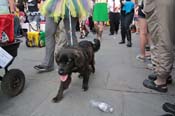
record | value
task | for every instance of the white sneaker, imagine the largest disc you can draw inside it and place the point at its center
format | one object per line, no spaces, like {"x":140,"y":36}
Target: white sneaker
{"x":140,"y":58}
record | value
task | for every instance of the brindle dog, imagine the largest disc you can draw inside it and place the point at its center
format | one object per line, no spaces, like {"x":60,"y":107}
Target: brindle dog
{"x":76,"y":59}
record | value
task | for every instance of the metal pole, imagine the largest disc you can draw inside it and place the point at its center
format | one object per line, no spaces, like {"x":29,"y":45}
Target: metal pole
{"x":70,"y":23}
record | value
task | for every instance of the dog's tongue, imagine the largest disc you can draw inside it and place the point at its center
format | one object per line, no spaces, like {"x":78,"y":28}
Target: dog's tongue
{"x":63,"y":77}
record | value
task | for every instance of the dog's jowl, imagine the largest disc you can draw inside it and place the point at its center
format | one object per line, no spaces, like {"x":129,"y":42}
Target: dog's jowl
{"x":76,"y":59}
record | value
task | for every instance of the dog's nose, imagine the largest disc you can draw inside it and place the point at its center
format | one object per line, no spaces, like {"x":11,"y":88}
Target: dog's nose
{"x":61,"y":71}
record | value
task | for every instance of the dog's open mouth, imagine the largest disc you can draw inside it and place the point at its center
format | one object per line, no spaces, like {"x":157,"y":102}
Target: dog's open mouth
{"x":63,"y":77}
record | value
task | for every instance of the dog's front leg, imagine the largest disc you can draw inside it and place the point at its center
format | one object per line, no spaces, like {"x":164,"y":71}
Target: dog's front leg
{"x":86,"y":79}
{"x":59,"y":95}
{"x":63,"y":86}
{"x":67,"y":83}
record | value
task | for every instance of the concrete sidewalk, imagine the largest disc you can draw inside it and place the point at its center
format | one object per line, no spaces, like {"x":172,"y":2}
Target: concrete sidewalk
{"x":117,"y":81}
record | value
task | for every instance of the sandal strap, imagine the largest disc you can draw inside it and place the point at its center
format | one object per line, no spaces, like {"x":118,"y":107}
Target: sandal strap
{"x":152,"y":85}
{"x":160,"y":86}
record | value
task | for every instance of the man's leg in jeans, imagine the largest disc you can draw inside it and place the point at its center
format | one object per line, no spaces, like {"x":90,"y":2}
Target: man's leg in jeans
{"x":48,"y":62}
{"x":16,"y":26}
{"x":37,"y":19}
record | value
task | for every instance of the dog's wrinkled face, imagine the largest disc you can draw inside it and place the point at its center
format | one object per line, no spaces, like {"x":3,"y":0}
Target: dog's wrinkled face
{"x":65,"y":63}
{"x":68,"y":60}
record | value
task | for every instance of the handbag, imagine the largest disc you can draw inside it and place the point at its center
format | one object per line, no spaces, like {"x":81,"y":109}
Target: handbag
{"x":87,"y":22}
{"x":133,"y":28}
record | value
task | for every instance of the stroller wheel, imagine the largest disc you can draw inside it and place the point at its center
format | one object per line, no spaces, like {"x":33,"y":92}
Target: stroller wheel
{"x":13,"y":82}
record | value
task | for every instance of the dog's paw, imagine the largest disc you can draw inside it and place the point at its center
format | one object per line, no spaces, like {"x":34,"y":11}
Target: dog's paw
{"x":92,"y":69}
{"x":57,"y":99}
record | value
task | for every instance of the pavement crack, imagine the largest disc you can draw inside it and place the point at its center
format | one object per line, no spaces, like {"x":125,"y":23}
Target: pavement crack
{"x":107,"y":79}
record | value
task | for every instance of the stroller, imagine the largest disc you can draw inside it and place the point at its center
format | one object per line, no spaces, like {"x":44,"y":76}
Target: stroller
{"x":13,"y":81}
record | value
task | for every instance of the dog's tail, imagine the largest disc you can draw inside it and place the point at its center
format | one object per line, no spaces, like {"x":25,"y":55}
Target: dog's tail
{"x":96,"y":45}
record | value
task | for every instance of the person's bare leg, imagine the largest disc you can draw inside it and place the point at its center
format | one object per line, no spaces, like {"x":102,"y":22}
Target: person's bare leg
{"x":96,"y":28}
{"x":160,"y":81}
{"x":143,"y":36}
{"x":101,"y":26}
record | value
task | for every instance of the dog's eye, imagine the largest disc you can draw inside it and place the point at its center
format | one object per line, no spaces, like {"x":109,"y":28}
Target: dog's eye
{"x":69,"y":60}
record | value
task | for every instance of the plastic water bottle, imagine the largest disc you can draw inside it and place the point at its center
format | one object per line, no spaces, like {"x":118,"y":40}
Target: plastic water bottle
{"x":102,"y":106}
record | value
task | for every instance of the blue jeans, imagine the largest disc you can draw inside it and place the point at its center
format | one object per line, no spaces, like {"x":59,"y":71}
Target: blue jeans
{"x":17,"y":26}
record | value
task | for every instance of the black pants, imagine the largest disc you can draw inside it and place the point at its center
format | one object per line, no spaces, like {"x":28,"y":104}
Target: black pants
{"x":78,"y":26}
{"x":91,"y":24}
{"x":126,"y":20}
{"x":114,"y":22}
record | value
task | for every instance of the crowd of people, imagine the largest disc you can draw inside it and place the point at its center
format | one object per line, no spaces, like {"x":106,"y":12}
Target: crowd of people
{"x":153,"y":23}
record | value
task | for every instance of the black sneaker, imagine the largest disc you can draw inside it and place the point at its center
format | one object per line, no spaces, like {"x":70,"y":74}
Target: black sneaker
{"x":43,"y":68}
{"x":129,"y":44}
{"x":168,"y":107}
{"x":122,"y":42}
{"x":111,"y":33}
